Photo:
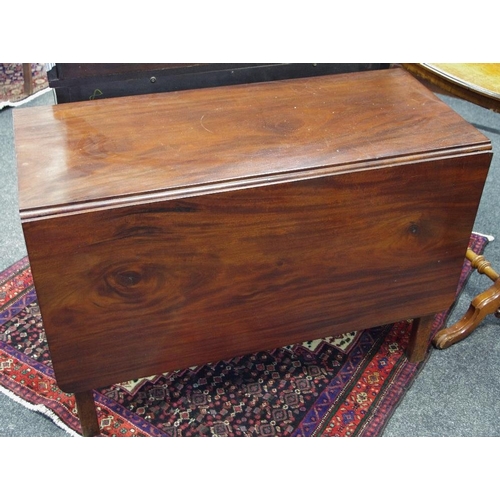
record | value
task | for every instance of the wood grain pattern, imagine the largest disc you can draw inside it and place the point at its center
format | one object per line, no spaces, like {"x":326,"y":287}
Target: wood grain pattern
{"x":79,"y":156}
{"x":167,"y":231}
{"x":144,"y":289}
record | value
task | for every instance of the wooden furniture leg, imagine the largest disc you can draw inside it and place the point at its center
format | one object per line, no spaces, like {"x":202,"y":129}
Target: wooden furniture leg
{"x":28,"y":79}
{"x":419,"y":339}
{"x":87,"y":413}
{"x":481,"y":306}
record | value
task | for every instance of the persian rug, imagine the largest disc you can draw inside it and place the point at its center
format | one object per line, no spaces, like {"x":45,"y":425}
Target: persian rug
{"x":346,"y":385}
{"x":12,"y":91}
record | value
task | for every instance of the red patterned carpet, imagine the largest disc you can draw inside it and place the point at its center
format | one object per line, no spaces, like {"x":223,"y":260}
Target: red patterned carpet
{"x":342,"y":386}
{"x":12,"y":79}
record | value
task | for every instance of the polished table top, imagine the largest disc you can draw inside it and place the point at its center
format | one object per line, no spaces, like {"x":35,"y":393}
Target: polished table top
{"x":72,"y":157}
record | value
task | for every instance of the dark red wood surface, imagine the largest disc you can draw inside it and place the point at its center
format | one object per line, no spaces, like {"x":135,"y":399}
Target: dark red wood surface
{"x":168,"y":145}
{"x":161,"y":243}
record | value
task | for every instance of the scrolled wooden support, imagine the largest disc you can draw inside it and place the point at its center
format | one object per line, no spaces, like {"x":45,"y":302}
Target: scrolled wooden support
{"x":485,"y":303}
{"x":481,"y":306}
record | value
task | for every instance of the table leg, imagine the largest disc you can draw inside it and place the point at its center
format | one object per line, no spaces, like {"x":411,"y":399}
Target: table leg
{"x":419,"y":338}
{"x":87,"y":413}
{"x":28,"y":79}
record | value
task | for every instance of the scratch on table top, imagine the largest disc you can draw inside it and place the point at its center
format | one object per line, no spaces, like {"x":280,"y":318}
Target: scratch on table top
{"x":201,"y":123}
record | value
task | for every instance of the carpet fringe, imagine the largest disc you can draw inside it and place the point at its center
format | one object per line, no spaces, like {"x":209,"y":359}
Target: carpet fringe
{"x":9,"y":104}
{"x":489,"y":237}
{"x":40,"y":409}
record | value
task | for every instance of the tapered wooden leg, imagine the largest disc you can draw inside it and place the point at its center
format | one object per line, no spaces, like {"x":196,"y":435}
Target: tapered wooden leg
{"x":87,"y":413}
{"x":419,"y":339}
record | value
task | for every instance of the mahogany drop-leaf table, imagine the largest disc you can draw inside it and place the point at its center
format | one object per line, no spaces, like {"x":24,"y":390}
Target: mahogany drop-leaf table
{"x":175,"y":229}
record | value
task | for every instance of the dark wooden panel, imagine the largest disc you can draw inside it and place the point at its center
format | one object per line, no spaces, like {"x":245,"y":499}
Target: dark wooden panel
{"x":83,"y":82}
{"x":77,"y":71}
